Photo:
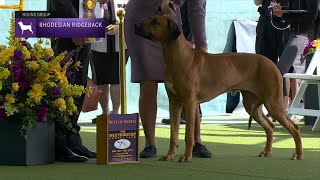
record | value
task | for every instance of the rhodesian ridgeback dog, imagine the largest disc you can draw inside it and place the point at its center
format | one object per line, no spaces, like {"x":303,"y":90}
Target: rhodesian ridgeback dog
{"x":193,"y":77}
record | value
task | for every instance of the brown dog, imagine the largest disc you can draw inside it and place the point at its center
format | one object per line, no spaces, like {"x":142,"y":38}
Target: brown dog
{"x":193,"y":77}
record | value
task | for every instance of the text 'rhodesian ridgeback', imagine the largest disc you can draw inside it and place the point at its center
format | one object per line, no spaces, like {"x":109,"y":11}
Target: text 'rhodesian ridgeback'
{"x":193,"y":77}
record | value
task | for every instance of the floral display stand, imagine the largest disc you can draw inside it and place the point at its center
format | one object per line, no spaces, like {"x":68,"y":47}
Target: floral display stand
{"x":37,"y":147}
{"x":35,"y":93}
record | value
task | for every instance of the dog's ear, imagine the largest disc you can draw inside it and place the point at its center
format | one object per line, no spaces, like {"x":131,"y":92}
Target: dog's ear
{"x":173,"y":29}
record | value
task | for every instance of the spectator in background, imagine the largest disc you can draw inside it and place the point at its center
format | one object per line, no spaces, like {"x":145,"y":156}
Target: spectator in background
{"x":302,"y":26}
{"x":272,"y":34}
{"x":147,"y":63}
{"x":69,"y":146}
{"x":105,"y":59}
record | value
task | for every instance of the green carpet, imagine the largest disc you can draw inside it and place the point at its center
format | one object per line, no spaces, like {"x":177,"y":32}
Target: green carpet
{"x":235,"y":152}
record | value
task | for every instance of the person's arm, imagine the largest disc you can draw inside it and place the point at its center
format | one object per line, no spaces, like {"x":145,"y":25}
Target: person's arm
{"x":258,"y":2}
{"x":197,"y":20}
{"x":65,"y":9}
{"x":296,"y":18}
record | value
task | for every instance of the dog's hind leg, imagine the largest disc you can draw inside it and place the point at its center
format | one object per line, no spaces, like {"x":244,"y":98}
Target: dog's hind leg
{"x":175,"y":106}
{"x":275,"y":108}
{"x":253,"y":107}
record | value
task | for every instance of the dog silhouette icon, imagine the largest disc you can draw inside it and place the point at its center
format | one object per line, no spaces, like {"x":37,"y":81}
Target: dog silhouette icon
{"x":24,"y":27}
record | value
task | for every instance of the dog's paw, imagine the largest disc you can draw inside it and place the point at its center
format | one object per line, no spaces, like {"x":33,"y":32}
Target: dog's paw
{"x":297,"y":156}
{"x":185,"y":158}
{"x":265,"y":154}
{"x":166,"y":158}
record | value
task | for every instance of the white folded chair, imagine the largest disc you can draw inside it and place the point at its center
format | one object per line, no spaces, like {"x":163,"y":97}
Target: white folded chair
{"x":307,"y":78}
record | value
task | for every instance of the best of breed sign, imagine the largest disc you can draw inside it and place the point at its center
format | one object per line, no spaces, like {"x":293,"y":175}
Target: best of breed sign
{"x":117,"y":138}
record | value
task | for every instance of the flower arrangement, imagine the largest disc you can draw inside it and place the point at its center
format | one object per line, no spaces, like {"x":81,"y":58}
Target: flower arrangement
{"x":311,"y":47}
{"x":34,"y":83}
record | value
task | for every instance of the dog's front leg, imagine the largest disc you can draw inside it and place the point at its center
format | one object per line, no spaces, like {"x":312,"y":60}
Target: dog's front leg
{"x":175,"y":106}
{"x":190,"y":106}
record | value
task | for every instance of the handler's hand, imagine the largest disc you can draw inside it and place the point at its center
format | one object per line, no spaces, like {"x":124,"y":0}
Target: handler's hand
{"x":167,"y":7}
{"x":276,"y":8}
{"x":79,"y":41}
{"x":112,"y":29}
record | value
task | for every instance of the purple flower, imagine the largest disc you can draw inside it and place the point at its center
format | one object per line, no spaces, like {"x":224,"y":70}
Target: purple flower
{"x":55,"y":92}
{"x":24,"y":84}
{"x":69,"y":74}
{"x":24,"y":43}
{"x":17,"y":71}
{"x":42,"y":113}
{"x":68,"y":57}
{"x":18,"y":56}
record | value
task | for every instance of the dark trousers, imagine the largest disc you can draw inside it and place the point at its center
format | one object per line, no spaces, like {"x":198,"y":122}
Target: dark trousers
{"x":186,"y":29}
{"x":64,"y":136}
{"x":270,"y":42}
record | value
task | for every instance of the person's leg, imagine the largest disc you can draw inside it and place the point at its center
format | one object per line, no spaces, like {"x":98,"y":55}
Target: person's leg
{"x":197,"y":136}
{"x":73,"y":139}
{"x":104,"y":98}
{"x":286,"y":97}
{"x":115,"y":98}
{"x":286,"y":61}
{"x":199,"y":149}
{"x":148,"y":113}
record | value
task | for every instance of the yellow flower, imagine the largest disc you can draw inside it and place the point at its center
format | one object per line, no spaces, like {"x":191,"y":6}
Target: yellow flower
{"x":10,"y":109}
{"x":10,"y":98}
{"x":2,"y":47}
{"x":72,"y":108}
{"x":312,"y":50}
{"x":49,"y":52}
{"x":4,"y":73}
{"x":37,"y":88}
{"x":77,"y":65}
{"x":26,"y":52}
{"x":29,"y":102}
{"x":36,"y":93}
{"x":47,"y":41}
{"x":33,"y":65}
{"x":15,"y":86}
{"x":40,"y":41}
{"x":61,"y":75}
{"x":37,"y":46}
{"x":316,"y":43}
{"x":6,"y":54}
{"x":60,"y":104}
{"x":0,"y":85}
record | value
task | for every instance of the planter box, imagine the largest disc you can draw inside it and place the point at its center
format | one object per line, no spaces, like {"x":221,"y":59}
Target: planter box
{"x":37,"y":148}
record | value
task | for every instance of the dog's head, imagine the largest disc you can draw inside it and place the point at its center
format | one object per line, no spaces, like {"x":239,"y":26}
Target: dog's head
{"x":20,"y":23}
{"x":159,"y":29}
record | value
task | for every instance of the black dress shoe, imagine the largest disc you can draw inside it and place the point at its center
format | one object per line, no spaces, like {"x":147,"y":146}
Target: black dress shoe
{"x":83,"y":151}
{"x":69,"y":156}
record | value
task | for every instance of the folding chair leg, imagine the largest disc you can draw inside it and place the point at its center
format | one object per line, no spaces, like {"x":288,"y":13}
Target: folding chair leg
{"x":316,"y":126}
{"x":298,"y":96}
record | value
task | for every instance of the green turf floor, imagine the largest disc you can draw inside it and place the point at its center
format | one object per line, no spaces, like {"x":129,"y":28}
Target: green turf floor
{"x":235,"y":151}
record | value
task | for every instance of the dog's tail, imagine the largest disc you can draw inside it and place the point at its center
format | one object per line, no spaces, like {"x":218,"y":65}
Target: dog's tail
{"x":254,"y":109}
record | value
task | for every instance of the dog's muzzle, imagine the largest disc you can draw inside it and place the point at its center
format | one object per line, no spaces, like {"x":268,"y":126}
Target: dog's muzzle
{"x":139,"y":30}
